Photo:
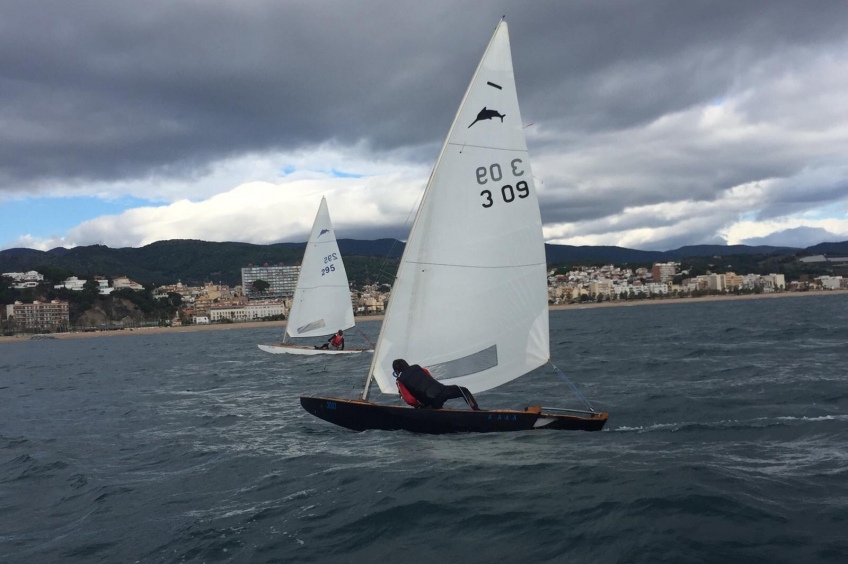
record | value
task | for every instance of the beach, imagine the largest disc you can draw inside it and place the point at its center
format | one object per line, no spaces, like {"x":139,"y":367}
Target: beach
{"x":658,"y":301}
{"x":267,"y":324}
{"x":155,"y":330}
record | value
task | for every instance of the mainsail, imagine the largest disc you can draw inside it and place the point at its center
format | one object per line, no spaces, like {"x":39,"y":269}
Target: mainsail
{"x":321,"y":303}
{"x":470,"y":298}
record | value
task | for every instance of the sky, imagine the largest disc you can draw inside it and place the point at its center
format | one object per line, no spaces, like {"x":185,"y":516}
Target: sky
{"x":650,"y":125}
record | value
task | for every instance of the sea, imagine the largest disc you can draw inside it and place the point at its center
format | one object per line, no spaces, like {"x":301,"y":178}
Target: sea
{"x":727,"y":441}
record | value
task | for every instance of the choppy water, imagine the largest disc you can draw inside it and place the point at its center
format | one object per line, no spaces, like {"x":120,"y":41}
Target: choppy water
{"x":727,"y":442}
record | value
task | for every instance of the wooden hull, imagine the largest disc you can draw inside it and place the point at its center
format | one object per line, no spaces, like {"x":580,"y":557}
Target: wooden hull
{"x":308,"y":351}
{"x":361,"y":415}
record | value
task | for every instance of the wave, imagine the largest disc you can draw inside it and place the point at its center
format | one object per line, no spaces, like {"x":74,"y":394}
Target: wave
{"x":25,"y":467}
{"x":12,"y":442}
{"x":756,"y":423}
{"x":220,"y":420}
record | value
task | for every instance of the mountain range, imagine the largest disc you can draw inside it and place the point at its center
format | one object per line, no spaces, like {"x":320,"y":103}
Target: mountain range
{"x":194,"y":262}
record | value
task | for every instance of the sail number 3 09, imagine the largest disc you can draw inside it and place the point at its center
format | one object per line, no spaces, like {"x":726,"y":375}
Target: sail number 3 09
{"x":508,"y":192}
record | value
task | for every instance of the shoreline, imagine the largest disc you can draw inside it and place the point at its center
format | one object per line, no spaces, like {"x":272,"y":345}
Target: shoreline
{"x":658,"y":301}
{"x":158,"y":330}
{"x":272,"y":324}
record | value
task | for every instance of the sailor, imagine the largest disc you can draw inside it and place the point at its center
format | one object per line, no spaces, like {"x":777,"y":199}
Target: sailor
{"x":419,"y":389}
{"x":336,"y":341}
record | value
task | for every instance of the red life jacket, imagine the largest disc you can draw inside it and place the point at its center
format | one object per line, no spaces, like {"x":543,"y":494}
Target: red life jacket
{"x":336,"y":341}
{"x":419,"y":385}
{"x":407,"y":395}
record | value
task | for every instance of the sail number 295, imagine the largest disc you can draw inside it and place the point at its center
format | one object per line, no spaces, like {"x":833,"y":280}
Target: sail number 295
{"x":328,"y":260}
{"x":508,"y":192}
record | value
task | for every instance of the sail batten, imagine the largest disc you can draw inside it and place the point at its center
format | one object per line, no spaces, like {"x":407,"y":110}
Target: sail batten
{"x":528,"y":265}
{"x":479,"y":212}
{"x":467,"y":146}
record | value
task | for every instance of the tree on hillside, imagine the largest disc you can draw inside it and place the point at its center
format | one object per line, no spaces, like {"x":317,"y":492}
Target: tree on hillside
{"x":8,"y":295}
{"x":91,"y":286}
{"x":261,"y":286}
{"x":54,"y":274}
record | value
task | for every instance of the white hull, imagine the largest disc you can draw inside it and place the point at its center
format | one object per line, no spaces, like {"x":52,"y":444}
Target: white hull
{"x":307,"y":351}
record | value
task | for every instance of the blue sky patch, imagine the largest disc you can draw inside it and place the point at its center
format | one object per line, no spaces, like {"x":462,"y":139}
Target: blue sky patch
{"x":342,"y":174}
{"x":48,"y":217}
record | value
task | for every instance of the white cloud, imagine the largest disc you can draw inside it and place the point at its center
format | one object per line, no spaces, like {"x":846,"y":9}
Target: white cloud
{"x":255,"y":212}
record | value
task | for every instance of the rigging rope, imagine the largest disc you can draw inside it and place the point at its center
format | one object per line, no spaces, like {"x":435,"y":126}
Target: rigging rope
{"x":370,"y":342}
{"x":574,"y":389}
{"x":382,"y":269}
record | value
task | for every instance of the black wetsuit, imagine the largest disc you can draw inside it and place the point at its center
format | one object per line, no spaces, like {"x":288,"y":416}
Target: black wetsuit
{"x":430,"y":392}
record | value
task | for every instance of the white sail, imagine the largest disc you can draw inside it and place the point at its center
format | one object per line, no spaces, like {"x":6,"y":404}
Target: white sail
{"x":470,"y":299}
{"x":321,"y":303}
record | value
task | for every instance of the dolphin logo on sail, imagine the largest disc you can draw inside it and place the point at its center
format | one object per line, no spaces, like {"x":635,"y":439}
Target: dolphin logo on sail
{"x":486,"y":113}
{"x":323,"y":231}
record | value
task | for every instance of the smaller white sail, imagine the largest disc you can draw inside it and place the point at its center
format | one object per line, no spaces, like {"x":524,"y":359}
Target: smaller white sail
{"x":321,"y":303}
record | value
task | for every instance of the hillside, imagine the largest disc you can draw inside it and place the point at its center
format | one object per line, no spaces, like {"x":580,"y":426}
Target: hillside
{"x":194,"y":262}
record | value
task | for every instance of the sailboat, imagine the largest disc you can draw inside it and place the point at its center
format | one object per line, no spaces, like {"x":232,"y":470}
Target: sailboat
{"x":470,"y":298}
{"x":321,"y":303}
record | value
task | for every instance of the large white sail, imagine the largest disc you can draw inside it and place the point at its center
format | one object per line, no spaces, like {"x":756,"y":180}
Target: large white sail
{"x":321,"y":303}
{"x":470,"y":299}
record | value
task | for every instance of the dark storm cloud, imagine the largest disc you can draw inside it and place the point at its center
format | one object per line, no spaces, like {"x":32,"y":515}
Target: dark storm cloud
{"x":788,"y":199}
{"x":109,"y":90}
{"x":601,"y":65}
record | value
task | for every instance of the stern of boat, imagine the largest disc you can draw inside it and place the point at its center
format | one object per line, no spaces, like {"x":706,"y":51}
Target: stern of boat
{"x":568,"y":420}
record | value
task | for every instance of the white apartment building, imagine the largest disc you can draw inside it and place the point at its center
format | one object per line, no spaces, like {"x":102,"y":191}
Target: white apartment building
{"x":248,"y":312}
{"x":72,"y":283}
{"x":655,"y":289}
{"x":78,"y":285}
{"x":282,"y":280}
{"x":31,"y":276}
{"x":774,"y":281}
{"x":830,"y":282}
{"x":24,"y":280}
{"x":265,"y":309}
{"x":103,"y":283}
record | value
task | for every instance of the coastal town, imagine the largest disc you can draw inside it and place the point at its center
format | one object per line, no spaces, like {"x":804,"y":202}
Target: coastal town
{"x":266,"y":293}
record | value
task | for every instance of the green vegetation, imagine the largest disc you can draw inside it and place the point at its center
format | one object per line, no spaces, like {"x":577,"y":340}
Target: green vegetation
{"x":191,"y":262}
{"x":788,"y":265}
{"x":195,"y":262}
{"x":88,"y":308}
{"x":261,"y":286}
{"x":370,"y":270}
{"x":7,"y":294}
